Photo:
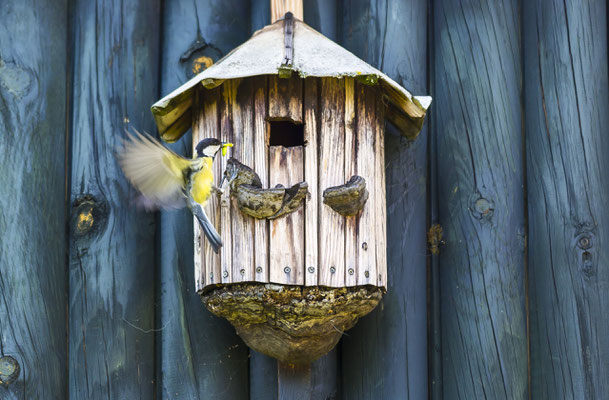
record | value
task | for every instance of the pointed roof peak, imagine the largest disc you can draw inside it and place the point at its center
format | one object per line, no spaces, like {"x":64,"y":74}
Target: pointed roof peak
{"x":312,"y":55}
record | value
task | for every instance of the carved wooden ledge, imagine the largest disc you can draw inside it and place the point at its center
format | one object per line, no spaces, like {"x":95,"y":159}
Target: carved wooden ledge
{"x":348,"y":199}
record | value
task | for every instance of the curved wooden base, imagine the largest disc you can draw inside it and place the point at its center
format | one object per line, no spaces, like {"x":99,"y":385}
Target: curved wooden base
{"x":293,"y":324}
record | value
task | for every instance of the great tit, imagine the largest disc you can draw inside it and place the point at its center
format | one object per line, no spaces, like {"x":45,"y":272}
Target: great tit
{"x":168,"y":180}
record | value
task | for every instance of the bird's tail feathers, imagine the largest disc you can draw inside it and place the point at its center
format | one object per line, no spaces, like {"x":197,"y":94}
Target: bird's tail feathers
{"x":208,"y":228}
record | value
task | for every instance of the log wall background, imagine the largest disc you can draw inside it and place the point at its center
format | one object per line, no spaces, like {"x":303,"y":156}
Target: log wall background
{"x":97,"y":300}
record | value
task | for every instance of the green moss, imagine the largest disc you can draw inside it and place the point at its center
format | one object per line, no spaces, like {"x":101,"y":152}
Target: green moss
{"x":291,"y":323}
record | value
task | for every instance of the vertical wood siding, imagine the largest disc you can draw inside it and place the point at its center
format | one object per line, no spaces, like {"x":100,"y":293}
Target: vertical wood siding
{"x":33,"y":99}
{"x":111,"y":269}
{"x":479,"y":158}
{"x":567,"y":121}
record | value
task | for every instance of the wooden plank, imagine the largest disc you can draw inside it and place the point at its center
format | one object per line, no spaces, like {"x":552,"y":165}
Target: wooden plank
{"x":263,"y":376}
{"x":294,"y":381}
{"x":280,"y":7}
{"x":366,"y":164}
{"x":111,"y":279}
{"x":242,"y":110}
{"x":33,"y":289}
{"x":311,"y":177}
{"x":261,"y":156}
{"x":331,"y":173}
{"x":285,"y":98}
{"x":567,"y":98}
{"x":351,"y":163}
{"x":481,"y":197}
{"x":391,"y":363}
{"x":286,"y":233}
{"x":199,"y":355}
{"x":229,"y":97}
{"x":380,"y":200}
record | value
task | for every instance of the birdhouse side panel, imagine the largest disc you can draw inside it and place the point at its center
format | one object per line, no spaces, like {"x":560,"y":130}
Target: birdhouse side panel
{"x":351,"y":223}
{"x":239,"y":104}
{"x":366,"y":164}
{"x":286,"y":167}
{"x":261,"y":157}
{"x":287,"y":233}
{"x":206,"y":124}
{"x":331,"y":173}
{"x":381,"y":200}
{"x":311,"y":174}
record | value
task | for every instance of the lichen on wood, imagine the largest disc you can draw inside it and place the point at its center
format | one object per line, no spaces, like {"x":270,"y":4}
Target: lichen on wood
{"x":348,"y":199}
{"x":291,"y":323}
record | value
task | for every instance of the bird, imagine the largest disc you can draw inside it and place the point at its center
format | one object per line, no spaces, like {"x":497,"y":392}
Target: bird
{"x":168,"y":180}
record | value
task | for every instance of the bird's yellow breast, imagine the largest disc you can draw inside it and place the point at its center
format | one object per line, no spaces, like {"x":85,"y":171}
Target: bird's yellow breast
{"x":202,"y":182}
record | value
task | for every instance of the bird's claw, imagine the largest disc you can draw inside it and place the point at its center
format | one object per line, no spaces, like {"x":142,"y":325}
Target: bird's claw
{"x":217,"y":190}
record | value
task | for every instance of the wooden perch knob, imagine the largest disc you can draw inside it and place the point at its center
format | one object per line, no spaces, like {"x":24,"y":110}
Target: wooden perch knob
{"x":348,"y":199}
{"x":261,"y":203}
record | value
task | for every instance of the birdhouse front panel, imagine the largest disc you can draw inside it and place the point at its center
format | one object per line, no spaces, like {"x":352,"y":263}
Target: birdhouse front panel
{"x":314,"y":135}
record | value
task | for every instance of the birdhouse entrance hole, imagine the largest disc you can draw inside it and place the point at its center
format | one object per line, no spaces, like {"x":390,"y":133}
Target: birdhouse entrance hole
{"x":286,"y":134}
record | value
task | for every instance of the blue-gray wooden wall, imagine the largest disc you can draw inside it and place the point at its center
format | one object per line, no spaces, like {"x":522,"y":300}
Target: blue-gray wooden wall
{"x":96,"y":298}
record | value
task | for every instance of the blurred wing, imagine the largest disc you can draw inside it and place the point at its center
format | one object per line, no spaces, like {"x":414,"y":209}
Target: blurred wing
{"x":157,"y":172}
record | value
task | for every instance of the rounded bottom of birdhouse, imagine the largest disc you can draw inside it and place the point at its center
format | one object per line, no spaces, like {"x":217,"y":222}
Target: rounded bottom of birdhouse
{"x":293,"y":324}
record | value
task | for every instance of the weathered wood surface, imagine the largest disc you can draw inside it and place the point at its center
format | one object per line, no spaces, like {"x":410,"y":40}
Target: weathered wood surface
{"x":286,"y":233}
{"x":365,"y":165}
{"x":567,"y":120}
{"x":311,"y":176}
{"x":111,"y":262}
{"x":352,"y":223}
{"x":280,"y":7}
{"x":330,"y":158}
{"x":261,"y":159}
{"x":285,"y":98}
{"x":199,"y":355}
{"x":391,"y":362}
{"x":33,"y":298}
{"x":242,"y":117}
{"x":481,"y":192}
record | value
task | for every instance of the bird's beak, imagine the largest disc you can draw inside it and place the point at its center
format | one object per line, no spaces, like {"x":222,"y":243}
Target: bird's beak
{"x":225,"y":147}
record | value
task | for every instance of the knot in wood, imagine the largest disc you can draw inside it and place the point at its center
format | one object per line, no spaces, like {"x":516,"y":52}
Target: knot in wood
{"x":88,"y":215}
{"x":481,"y":207}
{"x":9,"y":370}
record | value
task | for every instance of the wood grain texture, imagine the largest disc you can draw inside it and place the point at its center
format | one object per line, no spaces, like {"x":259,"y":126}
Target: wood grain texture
{"x":280,"y":7}
{"x":285,"y":98}
{"x":111,"y":314}
{"x":351,"y":163}
{"x":331,"y":158}
{"x":385,"y":355}
{"x":244,"y":150}
{"x":366,"y":166}
{"x":229,"y":97}
{"x":380,"y":196}
{"x":199,"y":355}
{"x":294,"y":381}
{"x":480,"y":190}
{"x":566,"y":103}
{"x":311,"y":121}
{"x":286,"y":233}
{"x":33,"y":289}
{"x":261,"y":156}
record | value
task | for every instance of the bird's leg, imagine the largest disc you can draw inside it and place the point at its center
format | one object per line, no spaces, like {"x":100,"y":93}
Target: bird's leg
{"x":217,"y":190}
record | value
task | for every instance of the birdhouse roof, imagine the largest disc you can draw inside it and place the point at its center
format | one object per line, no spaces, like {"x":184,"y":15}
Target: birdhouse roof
{"x":314,"y":55}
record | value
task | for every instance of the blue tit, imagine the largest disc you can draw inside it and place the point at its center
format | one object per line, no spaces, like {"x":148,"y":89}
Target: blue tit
{"x":168,"y":180}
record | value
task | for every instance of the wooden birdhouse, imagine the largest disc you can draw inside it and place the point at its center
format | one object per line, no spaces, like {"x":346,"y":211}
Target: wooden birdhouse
{"x":303,"y":218}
